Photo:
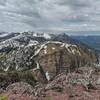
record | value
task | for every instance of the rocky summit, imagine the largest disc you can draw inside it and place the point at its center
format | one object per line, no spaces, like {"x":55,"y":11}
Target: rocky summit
{"x":46,"y":66}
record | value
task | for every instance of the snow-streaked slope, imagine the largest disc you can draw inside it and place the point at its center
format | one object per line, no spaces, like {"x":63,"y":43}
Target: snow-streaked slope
{"x":3,"y":35}
{"x":69,"y":47}
{"x":32,"y":45}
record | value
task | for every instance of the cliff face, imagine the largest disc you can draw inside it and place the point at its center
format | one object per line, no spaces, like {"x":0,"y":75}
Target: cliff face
{"x":58,"y":57}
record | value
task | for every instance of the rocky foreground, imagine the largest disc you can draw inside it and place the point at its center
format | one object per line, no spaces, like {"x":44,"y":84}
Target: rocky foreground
{"x":83,"y":84}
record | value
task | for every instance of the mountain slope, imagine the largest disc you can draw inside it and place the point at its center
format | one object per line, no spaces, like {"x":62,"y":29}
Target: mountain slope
{"x":49,"y":54}
{"x":58,"y":57}
{"x":91,"y":41}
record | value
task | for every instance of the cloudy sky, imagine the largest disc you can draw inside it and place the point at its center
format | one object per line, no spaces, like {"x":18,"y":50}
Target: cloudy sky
{"x":50,"y":15}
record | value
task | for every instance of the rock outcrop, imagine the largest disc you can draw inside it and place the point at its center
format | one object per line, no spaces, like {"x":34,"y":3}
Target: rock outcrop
{"x":58,"y":57}
{"x":76,"y":85}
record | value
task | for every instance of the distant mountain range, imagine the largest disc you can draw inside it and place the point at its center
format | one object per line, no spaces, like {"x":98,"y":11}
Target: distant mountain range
{"x":91,"y":41}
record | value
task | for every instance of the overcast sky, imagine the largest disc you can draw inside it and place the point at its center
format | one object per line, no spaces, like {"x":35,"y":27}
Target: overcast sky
{"x":50,"y":15}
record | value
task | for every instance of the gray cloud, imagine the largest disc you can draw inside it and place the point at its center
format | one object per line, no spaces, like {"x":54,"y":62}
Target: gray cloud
{"x":2,"y":2}
{"x":50,"y":15}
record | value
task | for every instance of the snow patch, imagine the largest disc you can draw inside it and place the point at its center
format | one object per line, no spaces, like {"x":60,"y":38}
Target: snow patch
{"x":70,"y":50}
{"x":73,"y":51}
{"x":16,"y":67}
{"x":53,"y":48}
{"x":38,"y":66}
{"x":3,"y":35}
{"x":6,"y":69}
{"x":67,"y":45}
{"x":45,"y":35}
{"x":62,"y":45}
{"x":37,"y":51}
{"x":47,"y":76}
{"x":45,"y":49}
{"x":31,"y":43}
